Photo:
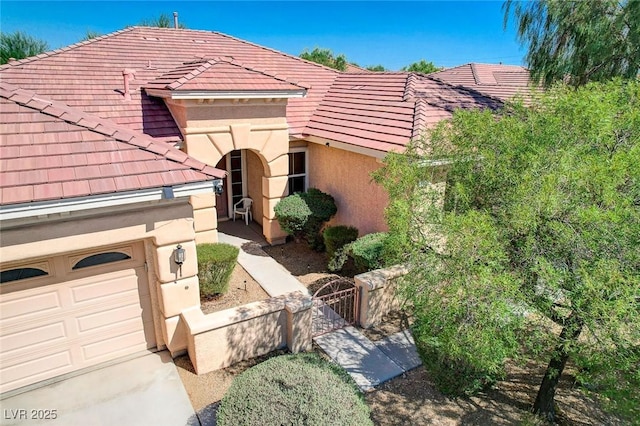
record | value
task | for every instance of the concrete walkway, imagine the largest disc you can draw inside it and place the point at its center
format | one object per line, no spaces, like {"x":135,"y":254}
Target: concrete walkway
{"x":369,"y":363}
{"x":141,"y":391}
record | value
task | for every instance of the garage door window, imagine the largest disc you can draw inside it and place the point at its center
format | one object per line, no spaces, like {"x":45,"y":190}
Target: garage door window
{"x":20,"y":274}
{"x":101,"y":259}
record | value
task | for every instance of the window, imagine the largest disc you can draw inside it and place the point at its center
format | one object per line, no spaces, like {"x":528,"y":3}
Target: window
{"x":102,"y":258}
{"x":20,"y":274}
{"x":297,"y":171}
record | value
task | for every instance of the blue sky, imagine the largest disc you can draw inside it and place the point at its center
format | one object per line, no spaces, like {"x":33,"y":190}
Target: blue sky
{"x":393,"y":34}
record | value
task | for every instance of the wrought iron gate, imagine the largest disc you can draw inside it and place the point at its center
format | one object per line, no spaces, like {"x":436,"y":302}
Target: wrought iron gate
{"x":335,"y":305}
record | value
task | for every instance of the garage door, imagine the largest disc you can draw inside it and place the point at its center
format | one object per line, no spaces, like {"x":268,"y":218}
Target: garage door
{"x":70,"y":312}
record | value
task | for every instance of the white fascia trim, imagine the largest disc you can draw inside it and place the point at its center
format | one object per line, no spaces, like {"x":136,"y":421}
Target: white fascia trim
{"x":239,"y":94}
{"x":348,"y":147}
{"x":25,"y":210}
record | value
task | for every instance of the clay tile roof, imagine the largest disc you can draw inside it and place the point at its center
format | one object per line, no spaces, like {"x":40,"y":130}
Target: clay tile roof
{"x":88,"y":75}
{"x":47,"y":156}
{"x":220,"y":74}
{"x":498,"y":81}
{"x":384,"y":111}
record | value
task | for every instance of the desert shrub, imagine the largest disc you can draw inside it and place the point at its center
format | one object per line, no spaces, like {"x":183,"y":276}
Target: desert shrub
{"x":301,"y":389}
{"x":303,"y":214}
{"x":454,"y":377}
{"x":215,"y":265}
{"x":292,"y":213}
{"x":336,"y":237}
{"x":366,"y":252}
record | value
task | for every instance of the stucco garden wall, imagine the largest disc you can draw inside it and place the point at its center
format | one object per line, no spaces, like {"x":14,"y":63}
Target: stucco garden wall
{"x":347,"y":177}
{"x":378,"y":294}
{"x":161,"y":228}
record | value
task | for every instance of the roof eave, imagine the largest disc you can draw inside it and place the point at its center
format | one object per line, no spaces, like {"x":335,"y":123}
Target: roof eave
{"x":228,"y":94}
{"x":65,"y":205}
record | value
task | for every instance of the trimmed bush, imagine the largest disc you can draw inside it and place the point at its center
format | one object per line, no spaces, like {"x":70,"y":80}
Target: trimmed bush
{"x":215,"y":265}
{"x":303,"y":214}
{"x":366,"y":252}
{"x":336,"y":237}
{"x":292,"y":213}
{"x":300,"y":389}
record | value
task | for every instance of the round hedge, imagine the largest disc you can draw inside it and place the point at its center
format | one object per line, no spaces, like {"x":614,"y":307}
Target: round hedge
{"x":300,"y":389}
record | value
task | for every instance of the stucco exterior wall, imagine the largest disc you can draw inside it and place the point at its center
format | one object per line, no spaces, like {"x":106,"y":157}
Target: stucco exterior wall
{"x":254,"y":184}
{"x":347,"y":177}
{"x":213,"y":128}
{"x":161,"y":227}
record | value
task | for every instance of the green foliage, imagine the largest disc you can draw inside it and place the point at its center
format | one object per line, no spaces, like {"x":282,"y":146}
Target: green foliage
{"x":540,"y":225}
{"x":90,"y":34}
{"x":300,"y":389}
{"x":303,"y":214}
{"x":162,"y":21}
{"x":377,"y":68}
{"x":422,"y":66}
{"x":336,"y":237}
{"x":326,"y":58}
{"x":215,"y":265}
{"x":594,"y":40}
{"x":366,"y":252}
{"x":19,"y":45}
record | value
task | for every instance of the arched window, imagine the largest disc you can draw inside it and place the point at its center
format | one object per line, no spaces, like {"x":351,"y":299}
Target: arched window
{"x":100,"y":259}
{"x":20,"y":274}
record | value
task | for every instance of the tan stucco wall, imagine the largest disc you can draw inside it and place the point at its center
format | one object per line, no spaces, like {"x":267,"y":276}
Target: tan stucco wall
{"x":254,"y":184}
{"x":347,"y":177}
{"x":378,"y":294}
{"x":213,"y":128}
{"x":161,"y":227}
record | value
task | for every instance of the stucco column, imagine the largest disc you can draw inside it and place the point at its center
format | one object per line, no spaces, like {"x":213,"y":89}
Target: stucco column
{"x":205,"y":217}
{"x":274,"y":188}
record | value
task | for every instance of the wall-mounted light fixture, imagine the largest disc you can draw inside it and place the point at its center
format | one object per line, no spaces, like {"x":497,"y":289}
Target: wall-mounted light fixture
{"x":217,"y":187}
{"x":179,"y":255}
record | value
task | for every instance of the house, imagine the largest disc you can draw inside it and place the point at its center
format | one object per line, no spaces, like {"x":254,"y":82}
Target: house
{"x":119,"y":154}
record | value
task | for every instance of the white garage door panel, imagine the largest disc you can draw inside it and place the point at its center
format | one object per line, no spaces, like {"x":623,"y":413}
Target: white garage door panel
{"x":109,"y":286}
{"x":58,"y":328}
{"x":32,"y":337}
{"x":28,"y":304}
{"x":40,"y":368}
{"x":114,"y":347}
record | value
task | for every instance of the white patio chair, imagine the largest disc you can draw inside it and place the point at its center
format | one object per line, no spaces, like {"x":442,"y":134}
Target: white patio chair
{"x":243,"y":208}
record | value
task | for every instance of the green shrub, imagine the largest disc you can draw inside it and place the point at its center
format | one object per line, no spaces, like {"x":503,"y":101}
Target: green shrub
{"x":453,"y":377}
{"x":215,"y":265}
{"x":367,"y":253}
{"x":336,"y":237}
{"x":293,"y":213}
{"x":301,"y":389}
{"x":303,"y":214}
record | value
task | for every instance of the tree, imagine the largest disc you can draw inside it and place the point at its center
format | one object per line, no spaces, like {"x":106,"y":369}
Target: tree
{"x":90,"y":34}
{"x":581,"y":41}
{"x":326,"y":58}
{"x":377,"y":68}
{"x":162,"y":21}
{"x":19,"y":45}
{"x":535,"y":250}
{"x":423,"y":67}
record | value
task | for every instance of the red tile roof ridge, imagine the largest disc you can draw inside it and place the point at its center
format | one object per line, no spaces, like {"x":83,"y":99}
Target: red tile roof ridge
{"x":467,"y":89}
{"x":206,"y":64}
{"x":63,"y":49}
{"x":419,"y":118}
{"x":105,"y":127}
{"x":410,"y":87}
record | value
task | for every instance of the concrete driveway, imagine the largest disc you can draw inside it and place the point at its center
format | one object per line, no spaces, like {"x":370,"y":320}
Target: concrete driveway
{"x":140,"y":391}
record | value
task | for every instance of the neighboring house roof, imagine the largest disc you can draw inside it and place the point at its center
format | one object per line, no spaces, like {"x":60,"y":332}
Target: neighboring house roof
{"x":356,"y":68}
{"x":383,"y":111}
{"x":499,"y":81}
{"x":220,"y":75}
{"x":50,"y":151}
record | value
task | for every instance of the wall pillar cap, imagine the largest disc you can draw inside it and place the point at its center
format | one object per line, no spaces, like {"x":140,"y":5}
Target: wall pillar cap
{"x":378,"y":278}
{"x":297,"y":301}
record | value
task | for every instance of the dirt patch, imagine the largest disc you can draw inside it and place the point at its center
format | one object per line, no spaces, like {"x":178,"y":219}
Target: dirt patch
{"x":307,"y":265}
{"x":391,"y":323}
{"x":243,"y":289}
{"x":413,"y":399}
